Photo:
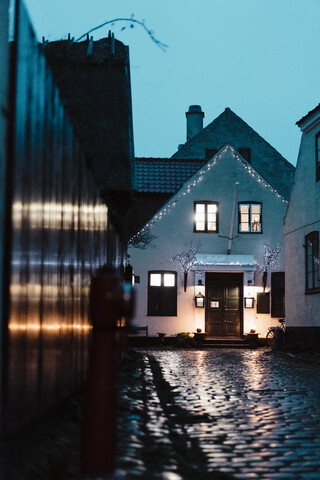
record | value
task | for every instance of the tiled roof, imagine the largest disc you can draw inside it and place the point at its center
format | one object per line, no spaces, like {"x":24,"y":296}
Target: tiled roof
{"x":164,"y":175}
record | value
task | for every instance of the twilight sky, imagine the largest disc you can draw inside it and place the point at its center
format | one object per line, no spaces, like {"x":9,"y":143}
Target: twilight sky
{"x":258,"y":57}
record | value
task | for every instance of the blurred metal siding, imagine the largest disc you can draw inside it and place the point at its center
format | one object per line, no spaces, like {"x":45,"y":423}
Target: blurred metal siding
{"x":57,"y":233}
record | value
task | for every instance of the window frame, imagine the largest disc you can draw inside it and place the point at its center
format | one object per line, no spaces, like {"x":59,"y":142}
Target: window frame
{"x":313,"y":238}
{"x":317,"y":151}
{"x":205,"y":203}
{"x":168,"y":307}
{"x":249,"y":204}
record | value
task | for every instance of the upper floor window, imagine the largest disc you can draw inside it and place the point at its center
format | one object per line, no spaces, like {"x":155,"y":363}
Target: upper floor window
{"x":312,"y":262}
{"x":206,"y":217}
{"x":318,"y":157}
{"x":162,"y":293}
{"x":250,"y":217}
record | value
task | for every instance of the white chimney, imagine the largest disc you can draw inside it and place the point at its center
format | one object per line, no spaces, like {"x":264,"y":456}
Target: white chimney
{"x":194,"y":120}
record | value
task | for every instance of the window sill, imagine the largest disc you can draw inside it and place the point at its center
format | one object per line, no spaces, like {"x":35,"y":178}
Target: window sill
{"x":310,"y":292}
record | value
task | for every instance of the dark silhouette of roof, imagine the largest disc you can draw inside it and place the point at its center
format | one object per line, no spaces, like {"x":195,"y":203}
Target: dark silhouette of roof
{"x":164,"y":175}
{"x":230,"y":128}
{"x":310,"y":113}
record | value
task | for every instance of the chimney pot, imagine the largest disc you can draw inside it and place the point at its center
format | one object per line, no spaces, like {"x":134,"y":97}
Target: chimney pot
{"x":194,"y":120}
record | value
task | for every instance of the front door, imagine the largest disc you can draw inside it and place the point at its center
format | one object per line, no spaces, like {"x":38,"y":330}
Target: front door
{"x":224,"y":304}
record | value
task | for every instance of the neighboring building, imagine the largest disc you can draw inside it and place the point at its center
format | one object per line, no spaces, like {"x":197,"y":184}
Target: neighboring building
{"x":93,"y":78}
{"x":224,"y":223}
{"x":56,"y":227}
{"x":301,"y":233}
{"x":4,"y":101}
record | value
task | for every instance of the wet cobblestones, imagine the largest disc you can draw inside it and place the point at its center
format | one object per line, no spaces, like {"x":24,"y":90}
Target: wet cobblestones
{"x":243,"y":413}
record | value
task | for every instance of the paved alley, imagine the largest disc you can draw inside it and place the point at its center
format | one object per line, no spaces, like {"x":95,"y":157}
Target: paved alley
{"x":221,"y":414}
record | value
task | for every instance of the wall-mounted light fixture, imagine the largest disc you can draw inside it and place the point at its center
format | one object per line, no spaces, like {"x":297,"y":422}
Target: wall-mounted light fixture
{"x":199,"y":298}
{"x":248,"y":302}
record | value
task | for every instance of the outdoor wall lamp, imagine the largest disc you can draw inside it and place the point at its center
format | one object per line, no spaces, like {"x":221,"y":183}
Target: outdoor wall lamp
{"x":248,"y":302}
{"x":199,"y":298}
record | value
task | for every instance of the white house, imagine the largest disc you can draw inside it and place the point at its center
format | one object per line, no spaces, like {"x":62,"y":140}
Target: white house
{"x":301,"y":233}
{"x":218,"y":239}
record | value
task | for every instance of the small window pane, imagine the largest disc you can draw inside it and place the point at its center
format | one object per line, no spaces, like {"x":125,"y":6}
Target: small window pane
{"x":256,"y":224}
{"x":200,"y":207}
{"x":155,"y":279}
{"x":169,"y":280}
{"x":244,"y":209}
{"x":199,"y":225}
{"x":212,"y":208}
{"x":255,"y":208}
{"x":200,"y":217}
{"x":212,"y":226}
{"x":244,"y":227}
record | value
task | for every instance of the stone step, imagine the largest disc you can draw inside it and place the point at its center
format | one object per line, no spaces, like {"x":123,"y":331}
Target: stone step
{"x":226,"y":345}
{"x":230,"y":341}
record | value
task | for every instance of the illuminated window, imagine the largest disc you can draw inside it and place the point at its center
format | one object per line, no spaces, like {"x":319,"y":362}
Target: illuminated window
{"x":312,"y":262}
{"x":162,"y":293}
{"x":206,"y":217}
{"x":250,"y":220}
{"x":318,"y":157}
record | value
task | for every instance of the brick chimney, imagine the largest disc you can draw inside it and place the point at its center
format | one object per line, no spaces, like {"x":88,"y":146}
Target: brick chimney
{"x":194,"y":120}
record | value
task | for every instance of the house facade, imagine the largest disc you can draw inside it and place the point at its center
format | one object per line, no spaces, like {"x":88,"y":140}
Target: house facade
{"x":301,"y":233}
{"x":217,"y":241}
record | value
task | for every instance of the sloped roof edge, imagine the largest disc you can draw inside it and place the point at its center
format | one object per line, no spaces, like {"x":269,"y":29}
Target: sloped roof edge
{"x":197,"y":177}
{"x":308,"y":116}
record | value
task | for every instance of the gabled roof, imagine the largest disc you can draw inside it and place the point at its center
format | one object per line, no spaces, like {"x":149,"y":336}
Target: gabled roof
{"x":230,"y":128}
{"x":198,"y":177}
{"x":164,"y":175}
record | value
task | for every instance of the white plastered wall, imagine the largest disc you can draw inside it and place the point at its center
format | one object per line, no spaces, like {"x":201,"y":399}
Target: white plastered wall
{"x":173,"y":231}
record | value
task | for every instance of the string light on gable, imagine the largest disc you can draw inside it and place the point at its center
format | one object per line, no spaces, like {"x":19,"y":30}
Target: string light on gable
{"x":187,"y":189}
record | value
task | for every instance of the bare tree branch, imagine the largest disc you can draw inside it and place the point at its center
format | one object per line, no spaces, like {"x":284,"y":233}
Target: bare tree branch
{"x":132,"y":22}
{"x":271,"y":257}
{"x":142,"y":239}
{"x":186,"y":260}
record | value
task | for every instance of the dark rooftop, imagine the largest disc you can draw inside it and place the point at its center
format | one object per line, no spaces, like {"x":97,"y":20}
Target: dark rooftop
{"x":311,"y":112}
{"x":93,"y":78}
{"x":164,"y":175}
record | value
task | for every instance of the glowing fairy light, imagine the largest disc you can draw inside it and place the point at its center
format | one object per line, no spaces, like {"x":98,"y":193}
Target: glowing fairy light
{"x":187,"y":188}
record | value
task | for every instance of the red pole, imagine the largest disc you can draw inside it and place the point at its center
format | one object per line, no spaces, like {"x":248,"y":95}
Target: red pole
{"x":106,"y":307}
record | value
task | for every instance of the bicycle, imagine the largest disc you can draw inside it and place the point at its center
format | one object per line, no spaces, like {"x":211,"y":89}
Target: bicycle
{"x":275,"y":335}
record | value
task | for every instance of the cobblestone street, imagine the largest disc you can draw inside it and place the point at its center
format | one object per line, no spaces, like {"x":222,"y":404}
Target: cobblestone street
{"x":221,"y":414}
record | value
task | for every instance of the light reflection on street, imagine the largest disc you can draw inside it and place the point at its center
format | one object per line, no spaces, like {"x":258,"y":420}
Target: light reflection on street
{"x":260,"y":406}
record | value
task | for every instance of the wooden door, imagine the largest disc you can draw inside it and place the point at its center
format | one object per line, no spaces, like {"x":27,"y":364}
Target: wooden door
{"x":224,"y":304}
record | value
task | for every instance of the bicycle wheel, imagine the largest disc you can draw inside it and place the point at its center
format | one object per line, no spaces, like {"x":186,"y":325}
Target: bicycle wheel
{"x":270,"y":338}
